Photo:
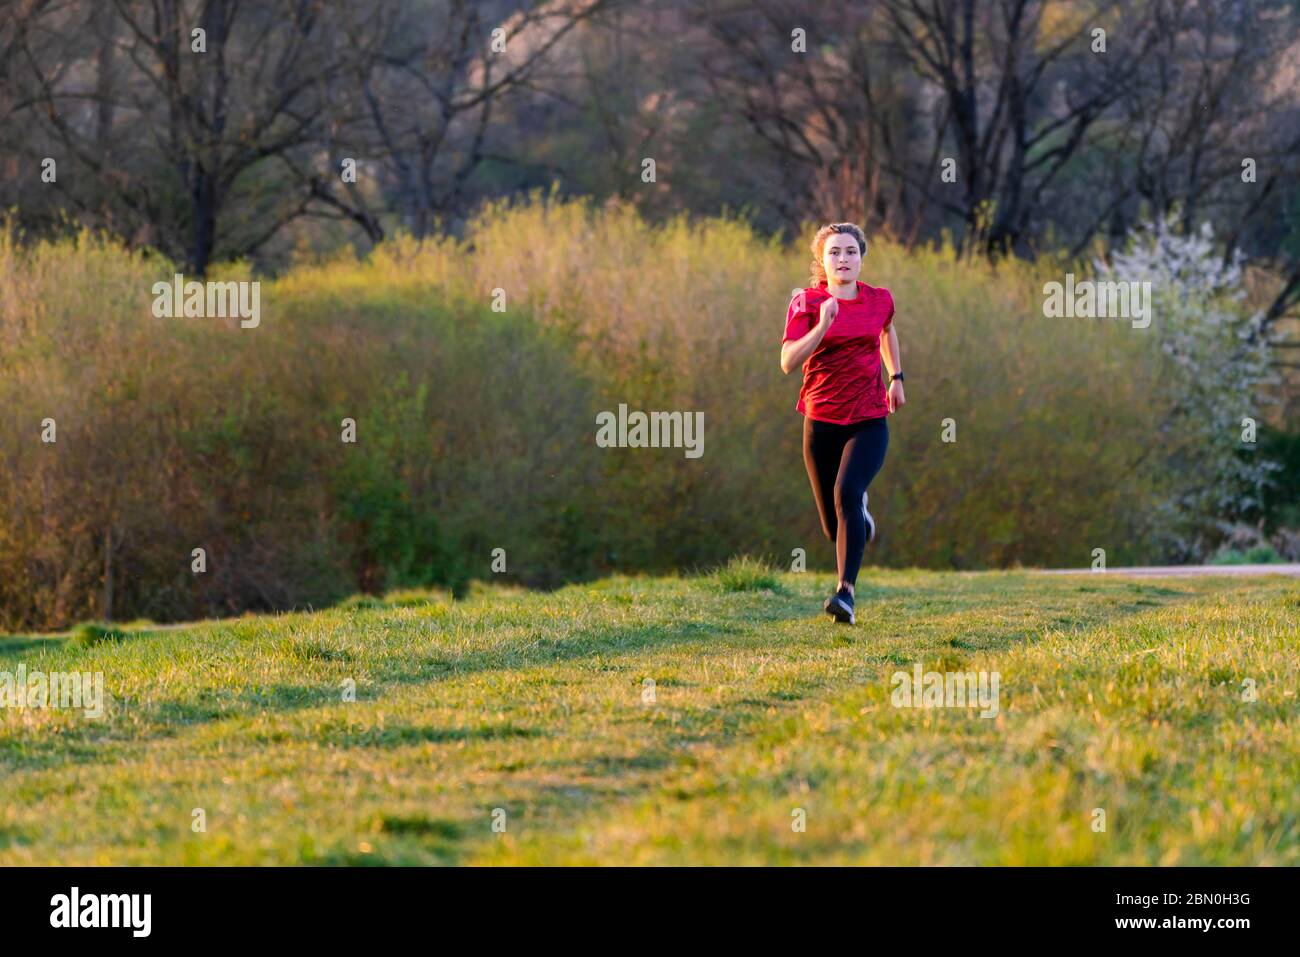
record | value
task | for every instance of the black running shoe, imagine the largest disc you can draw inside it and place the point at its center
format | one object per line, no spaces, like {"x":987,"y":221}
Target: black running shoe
{"x":871,"y":522}
{"x":840,"y":606}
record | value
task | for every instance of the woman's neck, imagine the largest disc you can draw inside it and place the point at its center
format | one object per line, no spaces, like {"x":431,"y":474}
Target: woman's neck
{"x":842,"y":290}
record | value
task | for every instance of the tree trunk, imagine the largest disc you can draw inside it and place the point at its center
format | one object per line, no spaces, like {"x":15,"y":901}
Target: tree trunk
{"x":108,"y":575}
{"x":203,"y":195}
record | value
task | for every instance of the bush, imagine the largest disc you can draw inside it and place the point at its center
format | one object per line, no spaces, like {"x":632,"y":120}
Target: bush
{"x":90,"y":634}
{"x":744,"y":573}
{"x":1259,"y":555}
{"x":475,"y":427}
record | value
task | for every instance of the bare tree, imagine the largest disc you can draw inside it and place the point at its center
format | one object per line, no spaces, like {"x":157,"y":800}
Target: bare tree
{"x":205,"y":128}
{"x":428,"y":91}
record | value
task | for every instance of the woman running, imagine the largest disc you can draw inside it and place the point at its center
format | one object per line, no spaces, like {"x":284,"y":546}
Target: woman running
{"x":834,"y":329}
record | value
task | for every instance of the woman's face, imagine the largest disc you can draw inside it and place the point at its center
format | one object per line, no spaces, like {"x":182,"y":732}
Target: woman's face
{"x":841,"y":258}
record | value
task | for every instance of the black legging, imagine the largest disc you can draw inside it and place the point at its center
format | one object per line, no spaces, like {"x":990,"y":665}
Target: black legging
{"x":842,"y":460}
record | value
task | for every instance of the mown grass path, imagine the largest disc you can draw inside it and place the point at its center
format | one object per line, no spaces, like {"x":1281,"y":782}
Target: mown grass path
{"x":1128,"y":697}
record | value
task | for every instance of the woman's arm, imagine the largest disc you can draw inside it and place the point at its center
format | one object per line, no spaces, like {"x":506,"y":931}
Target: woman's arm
{"x":889,"y":351}
{"x":893,"y":360}
{"x":795,"y":351}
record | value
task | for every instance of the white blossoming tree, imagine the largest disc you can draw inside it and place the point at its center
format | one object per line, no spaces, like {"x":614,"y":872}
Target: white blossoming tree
{"x":1213,"y":360}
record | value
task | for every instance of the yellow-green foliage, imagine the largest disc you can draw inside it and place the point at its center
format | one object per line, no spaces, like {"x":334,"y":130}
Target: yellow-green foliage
{"x":1054,"y":419}
{"x":476,"y":427}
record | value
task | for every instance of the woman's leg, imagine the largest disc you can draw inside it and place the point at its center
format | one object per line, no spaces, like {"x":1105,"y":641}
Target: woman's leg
{"x":823,"y":446}
{"x":863,"y":455}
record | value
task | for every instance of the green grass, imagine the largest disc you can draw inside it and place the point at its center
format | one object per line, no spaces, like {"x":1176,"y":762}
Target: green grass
{"x":1115,"y":694}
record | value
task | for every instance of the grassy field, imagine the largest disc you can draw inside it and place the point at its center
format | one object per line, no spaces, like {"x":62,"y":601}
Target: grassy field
{"x":1120,"y":695}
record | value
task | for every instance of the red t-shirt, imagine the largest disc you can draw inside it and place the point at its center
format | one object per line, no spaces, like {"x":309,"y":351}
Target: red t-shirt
{"x":841,"y":379}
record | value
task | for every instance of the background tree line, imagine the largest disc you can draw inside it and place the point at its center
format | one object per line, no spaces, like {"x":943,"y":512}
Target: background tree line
{"x":1056,"y":141}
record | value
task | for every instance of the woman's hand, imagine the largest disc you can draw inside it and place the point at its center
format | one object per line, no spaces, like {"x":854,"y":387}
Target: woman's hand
{"x":795,"y":352}
{"x":896,"y":397}
{"x":830,"y":309}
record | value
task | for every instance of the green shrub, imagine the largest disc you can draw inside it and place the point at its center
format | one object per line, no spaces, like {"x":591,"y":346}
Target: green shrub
{"x":1259,"y":555}
{"x":743,"y":573}
{"x":90,"y":634}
